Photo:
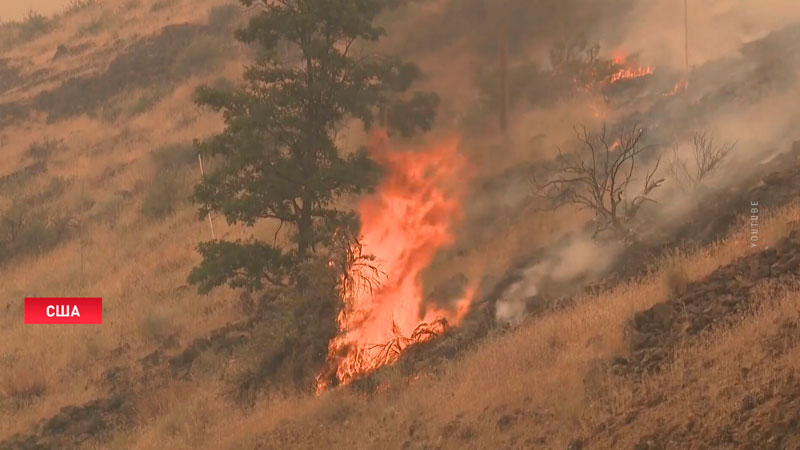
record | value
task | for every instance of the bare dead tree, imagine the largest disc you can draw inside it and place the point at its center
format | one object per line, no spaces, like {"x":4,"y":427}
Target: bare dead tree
{"x":708,"y":157}
{"x":599,"y":179}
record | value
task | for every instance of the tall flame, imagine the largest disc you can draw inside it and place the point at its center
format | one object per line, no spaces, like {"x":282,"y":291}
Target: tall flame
{"x":403,"y":225}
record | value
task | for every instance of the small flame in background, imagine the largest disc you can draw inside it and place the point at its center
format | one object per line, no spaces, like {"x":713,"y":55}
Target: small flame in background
{"x":627,"y":72}
{"x":402,"y":225}
{"x":680,"y":86}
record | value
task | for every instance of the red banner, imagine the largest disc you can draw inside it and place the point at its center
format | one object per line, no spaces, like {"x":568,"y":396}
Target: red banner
{"x":64,"y":311}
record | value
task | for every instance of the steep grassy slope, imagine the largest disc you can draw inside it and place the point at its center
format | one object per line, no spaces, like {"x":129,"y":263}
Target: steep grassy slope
{"x":94,"y":178}
{"x":558,"y":382}
{"x":96,"y":125}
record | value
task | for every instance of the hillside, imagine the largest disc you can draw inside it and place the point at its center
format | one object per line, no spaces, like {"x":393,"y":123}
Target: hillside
{"x":508,"y":316}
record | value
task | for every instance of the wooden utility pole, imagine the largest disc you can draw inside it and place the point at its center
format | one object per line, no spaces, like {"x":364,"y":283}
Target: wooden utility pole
{"x":83,"y":233}
{"x":202,"y":174}
{"x":686,"y":37}
{"x":503,"y":51}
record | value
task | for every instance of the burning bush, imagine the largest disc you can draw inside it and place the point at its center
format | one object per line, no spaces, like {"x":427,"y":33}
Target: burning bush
{"x":403,"y":226}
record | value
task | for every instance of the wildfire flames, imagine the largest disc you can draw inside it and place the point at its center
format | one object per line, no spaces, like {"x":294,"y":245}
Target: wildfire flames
{"x":402,"y":226}
{"x":627,"y":72}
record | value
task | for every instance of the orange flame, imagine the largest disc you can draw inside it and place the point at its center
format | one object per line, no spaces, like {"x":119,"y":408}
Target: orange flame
{"x":402,"y":225}
{"x":679,"y":87}
{"x":627,"y":72}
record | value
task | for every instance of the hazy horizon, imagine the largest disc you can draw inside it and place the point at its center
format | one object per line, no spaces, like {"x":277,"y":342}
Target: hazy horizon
{"x":16,"y":9}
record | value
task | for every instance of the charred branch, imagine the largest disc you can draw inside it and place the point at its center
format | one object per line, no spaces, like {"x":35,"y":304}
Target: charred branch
{"x":599,"y":178}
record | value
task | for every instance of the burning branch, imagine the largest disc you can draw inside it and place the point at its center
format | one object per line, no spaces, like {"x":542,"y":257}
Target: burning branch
{"x":359,"y":272}
{"x":600,"y":180}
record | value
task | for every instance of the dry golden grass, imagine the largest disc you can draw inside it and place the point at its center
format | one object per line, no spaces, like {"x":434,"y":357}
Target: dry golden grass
{"x":22,"y":385}
{"x":140,"y":267}
{"x":549,"y":364}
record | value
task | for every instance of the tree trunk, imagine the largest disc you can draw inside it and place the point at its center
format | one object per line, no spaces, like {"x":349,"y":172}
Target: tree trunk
{"x":304,"y":229}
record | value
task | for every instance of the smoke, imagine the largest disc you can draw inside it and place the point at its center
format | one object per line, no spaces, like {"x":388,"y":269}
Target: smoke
{"x":578,"y":260}
{"x":742,"y":88}
{"x":717,"y":28}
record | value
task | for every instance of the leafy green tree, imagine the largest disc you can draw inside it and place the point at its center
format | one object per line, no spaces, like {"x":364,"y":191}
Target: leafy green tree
{"x":278,"y":157}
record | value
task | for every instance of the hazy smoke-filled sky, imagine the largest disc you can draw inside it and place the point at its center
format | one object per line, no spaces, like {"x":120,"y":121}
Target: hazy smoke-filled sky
{"x":14,"y":9}
{"x":716,"y":27}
